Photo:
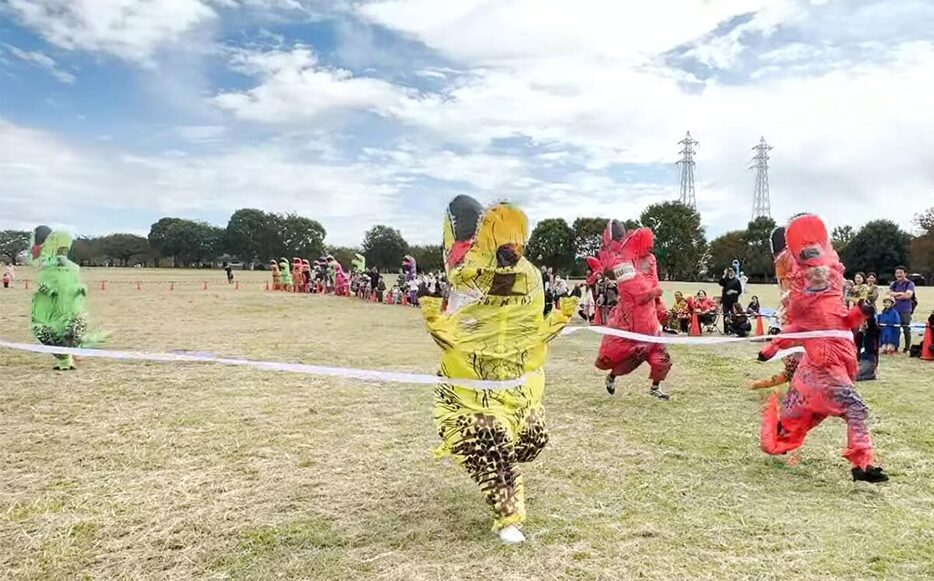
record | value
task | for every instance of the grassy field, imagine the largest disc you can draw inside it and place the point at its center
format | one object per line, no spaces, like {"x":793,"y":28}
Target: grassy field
{"x":149,"y":470}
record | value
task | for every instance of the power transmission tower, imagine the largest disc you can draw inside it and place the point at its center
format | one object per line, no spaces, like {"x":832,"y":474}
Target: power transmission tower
{"x":761,"y":205}
{"x":687,"y":170}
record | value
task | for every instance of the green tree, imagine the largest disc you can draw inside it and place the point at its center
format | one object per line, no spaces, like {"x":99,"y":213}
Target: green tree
{"x":301,"y":237}
{"x":925,"y":221}
{"x":428,"y":257}
{"x":87,"y":250}
{"x":588,"y":235}
{"x":343,"y":254}
{"x":249,"y":235}
{"x":384,"y":248}
{"x":552,"y":244}
{"x":757,"y":260}
{"x":725,"y":249}
{"x":679,"y":239}
{"x":841,"y":237}
{"x":879,"y":246}
{"x":192,"y":242}
{"x":159,"y":240}
{"x":125,"y":246}
{"x":13,"y":243}
{"x":922,"y":247}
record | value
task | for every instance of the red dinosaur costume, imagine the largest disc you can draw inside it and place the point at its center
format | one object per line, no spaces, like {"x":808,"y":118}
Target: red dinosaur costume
{"x":627,"y":258}
{"x":822,"y":385}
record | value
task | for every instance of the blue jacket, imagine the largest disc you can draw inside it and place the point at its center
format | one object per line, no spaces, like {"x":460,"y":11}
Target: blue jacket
{"x":890,"y":320}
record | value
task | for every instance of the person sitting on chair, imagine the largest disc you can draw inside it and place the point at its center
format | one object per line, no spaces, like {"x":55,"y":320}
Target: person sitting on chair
{"x":739,"y":324}
{"x":706,"y":309}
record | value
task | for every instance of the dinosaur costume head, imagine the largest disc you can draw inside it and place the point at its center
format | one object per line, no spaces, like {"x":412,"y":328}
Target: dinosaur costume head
{"x":817,"y":266}
{"x":484,"y":249}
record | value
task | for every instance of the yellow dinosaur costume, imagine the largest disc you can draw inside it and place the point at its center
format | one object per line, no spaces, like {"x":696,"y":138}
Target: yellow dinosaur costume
{"x":492,"y":328}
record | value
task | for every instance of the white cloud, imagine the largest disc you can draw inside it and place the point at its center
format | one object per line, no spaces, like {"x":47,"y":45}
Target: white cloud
{"x":847,"y":134}
{"x":480,"y":32}
{"x":129,"y":29}
{"x":201,"y":133}
{"x":43,"y":61}
{"x":40,"y":170}
{"x":295,"y":87}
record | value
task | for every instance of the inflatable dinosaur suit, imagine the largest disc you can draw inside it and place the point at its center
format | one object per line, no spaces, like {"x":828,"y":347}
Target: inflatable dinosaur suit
{"x":784,"y":264}
{"x":285,"y":274}
{"x":276,"y":276}
{"x":626,"y":257}
{"x":358,"y":264}
{"x":492,"y":328}
{"x":341,"y":282}
{"x":297,"y":278}
{"x":822,"y":385}
{"x":59,"y":315}
{"x":409,"y":268}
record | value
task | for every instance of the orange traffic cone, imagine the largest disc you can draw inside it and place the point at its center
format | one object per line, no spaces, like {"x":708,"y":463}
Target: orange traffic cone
{"x":760,"y":330}
{"x":927,"y":346}
{"x":695,"y":325}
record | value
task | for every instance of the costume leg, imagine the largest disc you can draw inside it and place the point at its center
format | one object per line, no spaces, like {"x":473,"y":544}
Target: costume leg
{"x":784,"y":430}
{"x":660,"y":363}
{"x":487,"y":452}
{"x":853,"y":409}
{"x":533,"y":437}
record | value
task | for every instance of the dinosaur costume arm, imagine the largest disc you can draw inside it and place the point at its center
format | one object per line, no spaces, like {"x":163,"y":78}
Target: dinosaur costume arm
{"x":440,"y":326}
{"x":558,"y":319}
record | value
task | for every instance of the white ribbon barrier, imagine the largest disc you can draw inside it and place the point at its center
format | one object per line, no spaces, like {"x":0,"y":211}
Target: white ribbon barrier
{"x":403,"y":377}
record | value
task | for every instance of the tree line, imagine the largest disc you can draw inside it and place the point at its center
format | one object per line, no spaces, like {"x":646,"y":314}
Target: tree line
{"x":255,"y":236}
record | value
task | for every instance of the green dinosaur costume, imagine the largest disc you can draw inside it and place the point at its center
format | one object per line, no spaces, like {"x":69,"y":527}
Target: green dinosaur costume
{"x":285,"y":272}
{"x":59,"y":314}
{"x":358,"y":263}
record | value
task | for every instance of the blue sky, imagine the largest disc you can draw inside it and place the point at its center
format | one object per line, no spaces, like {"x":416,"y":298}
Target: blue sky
{"x":114,"y":114}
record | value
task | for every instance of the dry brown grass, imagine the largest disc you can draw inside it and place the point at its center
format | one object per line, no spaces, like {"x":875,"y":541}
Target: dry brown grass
{"x":126,"y":470}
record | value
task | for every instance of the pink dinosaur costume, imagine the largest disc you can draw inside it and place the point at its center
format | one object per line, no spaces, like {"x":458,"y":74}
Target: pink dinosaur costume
{"x":627,"y":258}
{"x":823,"y":384}
{"x":341,"y":282}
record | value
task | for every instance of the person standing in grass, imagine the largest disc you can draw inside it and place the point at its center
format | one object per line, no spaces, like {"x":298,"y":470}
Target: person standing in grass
{"x":902,"y":292}
{"x":872,"y":291}
{"x":732,"y":288}
{"x":890,"y":321}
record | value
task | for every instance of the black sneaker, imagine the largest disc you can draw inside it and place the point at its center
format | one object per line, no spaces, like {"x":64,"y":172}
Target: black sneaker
{"x":610,"y":384}
{"x":657,"y":392}
{"x":872,"y":474}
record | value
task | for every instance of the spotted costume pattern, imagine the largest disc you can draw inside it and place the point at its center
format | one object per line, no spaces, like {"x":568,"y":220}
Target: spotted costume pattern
{"x":492,"y":328}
